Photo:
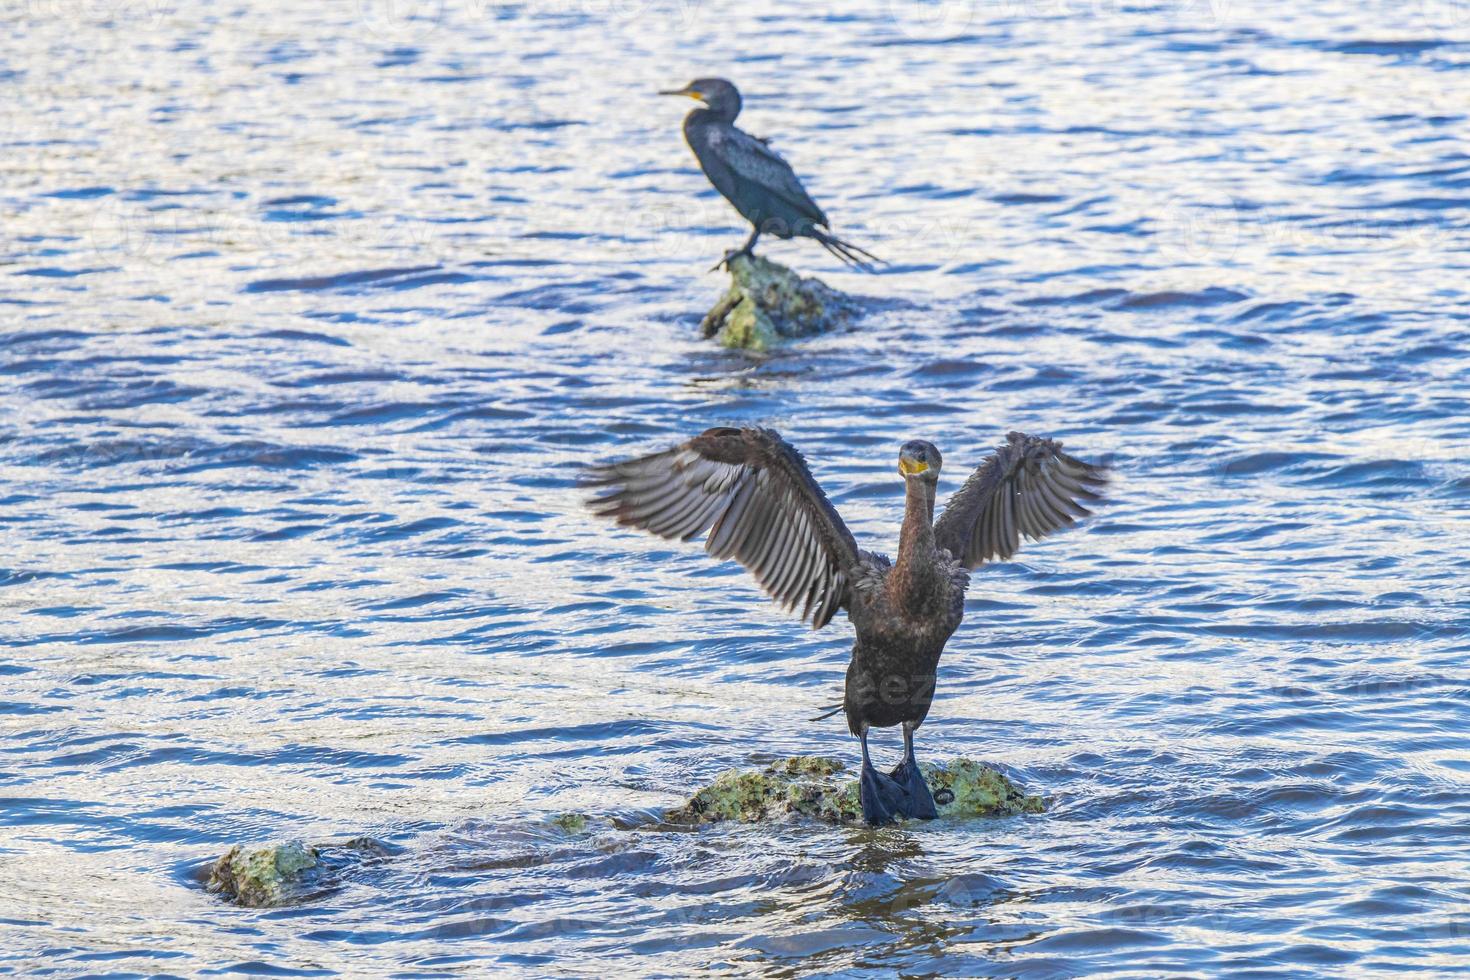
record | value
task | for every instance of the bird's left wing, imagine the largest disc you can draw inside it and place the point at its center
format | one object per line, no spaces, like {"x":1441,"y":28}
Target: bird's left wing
{"x":753,"y":159}
{"x":1027,"y":487}
{"x":755,"y":495}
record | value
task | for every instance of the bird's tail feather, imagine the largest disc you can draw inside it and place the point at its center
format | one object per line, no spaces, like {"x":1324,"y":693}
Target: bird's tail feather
{"x":858,"y":258}
{"x":831,"y":709}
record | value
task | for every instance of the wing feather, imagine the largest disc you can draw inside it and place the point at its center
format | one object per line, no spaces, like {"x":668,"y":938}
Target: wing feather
{"x":1027,"y":488}
{"x":729,"y":525}
{"x":755,"y":496}
{"x":752,"y":161}
{"x":798,"y":580}
{"x":1011,"y":522}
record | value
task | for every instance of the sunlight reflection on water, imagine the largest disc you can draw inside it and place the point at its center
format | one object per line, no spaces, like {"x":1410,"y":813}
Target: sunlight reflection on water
{"x":311,"y":317}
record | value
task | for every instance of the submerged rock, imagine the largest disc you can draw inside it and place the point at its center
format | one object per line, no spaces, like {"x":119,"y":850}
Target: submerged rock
{"x":570,"y":823}
{"x":820,"y":789}
{"x":767,"y":303}
{"x":286,"y":872}
{"x":294,"y":871}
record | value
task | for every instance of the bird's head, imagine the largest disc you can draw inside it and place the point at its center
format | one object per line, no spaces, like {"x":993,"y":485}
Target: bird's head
{"x":920,"y":460}
{"x":722,"y":97}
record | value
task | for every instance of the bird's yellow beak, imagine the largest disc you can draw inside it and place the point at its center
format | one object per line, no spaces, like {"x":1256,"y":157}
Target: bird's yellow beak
{"x":686,"y":90}
{"x":908,"y":467}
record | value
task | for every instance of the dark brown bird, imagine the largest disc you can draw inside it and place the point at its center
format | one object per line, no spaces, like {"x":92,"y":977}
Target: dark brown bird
{"x":755,"y":496}
{"x":753,"y":177}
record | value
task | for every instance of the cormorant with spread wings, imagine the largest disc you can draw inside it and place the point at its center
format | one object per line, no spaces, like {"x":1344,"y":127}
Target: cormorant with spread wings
{"x":752,"y":176}
{"x":755,"y":496}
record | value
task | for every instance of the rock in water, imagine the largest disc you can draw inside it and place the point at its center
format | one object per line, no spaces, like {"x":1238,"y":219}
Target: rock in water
{"x":768,"y":303}
{"x":261,"y":877}
{"x":288,"y":872}
{"x":285,"y":873}
{"x":570,"y":823}
{"x":818,"y":788}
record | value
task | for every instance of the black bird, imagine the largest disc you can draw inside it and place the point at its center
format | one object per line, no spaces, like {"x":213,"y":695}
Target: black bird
{"x":754,"y":494}
{"x":760,"y":184}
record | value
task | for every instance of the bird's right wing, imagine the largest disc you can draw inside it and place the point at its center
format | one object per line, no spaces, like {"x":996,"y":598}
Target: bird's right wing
{"x":1027,"y":487}
{"x":752,"y":159}
{"x":755,"y":495}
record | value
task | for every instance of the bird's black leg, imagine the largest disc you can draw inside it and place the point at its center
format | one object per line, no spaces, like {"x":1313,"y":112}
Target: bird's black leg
{"x":747,"y":249}
{"x":908,"y":776}
{"x":883,"y":800}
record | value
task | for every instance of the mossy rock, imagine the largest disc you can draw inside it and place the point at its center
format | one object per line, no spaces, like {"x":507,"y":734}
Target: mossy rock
{"x":288,"y":872}
{"x":570,"y":823}
{"x":767,"y":303}
{"x":820,"y":789}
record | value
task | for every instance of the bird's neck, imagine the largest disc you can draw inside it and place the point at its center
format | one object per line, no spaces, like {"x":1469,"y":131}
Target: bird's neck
{"x":915,"y":567}
{"x":713,"y":114}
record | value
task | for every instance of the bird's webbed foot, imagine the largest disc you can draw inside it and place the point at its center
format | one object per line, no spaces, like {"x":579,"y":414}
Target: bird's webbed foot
{"x":910,"y":779}
{"x":884,"y":801}
{"x":731,"y":256}
{"x":748,"y":249}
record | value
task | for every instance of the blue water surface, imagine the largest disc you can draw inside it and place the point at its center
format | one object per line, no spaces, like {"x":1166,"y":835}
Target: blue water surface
{"x":311,"y":313}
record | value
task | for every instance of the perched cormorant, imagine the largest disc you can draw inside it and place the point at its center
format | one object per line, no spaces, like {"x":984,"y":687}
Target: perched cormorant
{"x":761,"y":185}
{"x":754,"y":494}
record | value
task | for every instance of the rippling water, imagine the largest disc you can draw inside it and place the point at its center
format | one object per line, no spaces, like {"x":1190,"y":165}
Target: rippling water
{"x":310,"y":317}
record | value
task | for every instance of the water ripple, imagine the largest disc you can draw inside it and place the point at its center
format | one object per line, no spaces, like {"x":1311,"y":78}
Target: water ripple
{"x":313,"y":315}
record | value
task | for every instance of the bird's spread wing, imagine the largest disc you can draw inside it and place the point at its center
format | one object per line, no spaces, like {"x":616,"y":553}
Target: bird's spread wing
{"x":753,"y":160}
{"x":1026,"y":487}
{"x":755,"y":495}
